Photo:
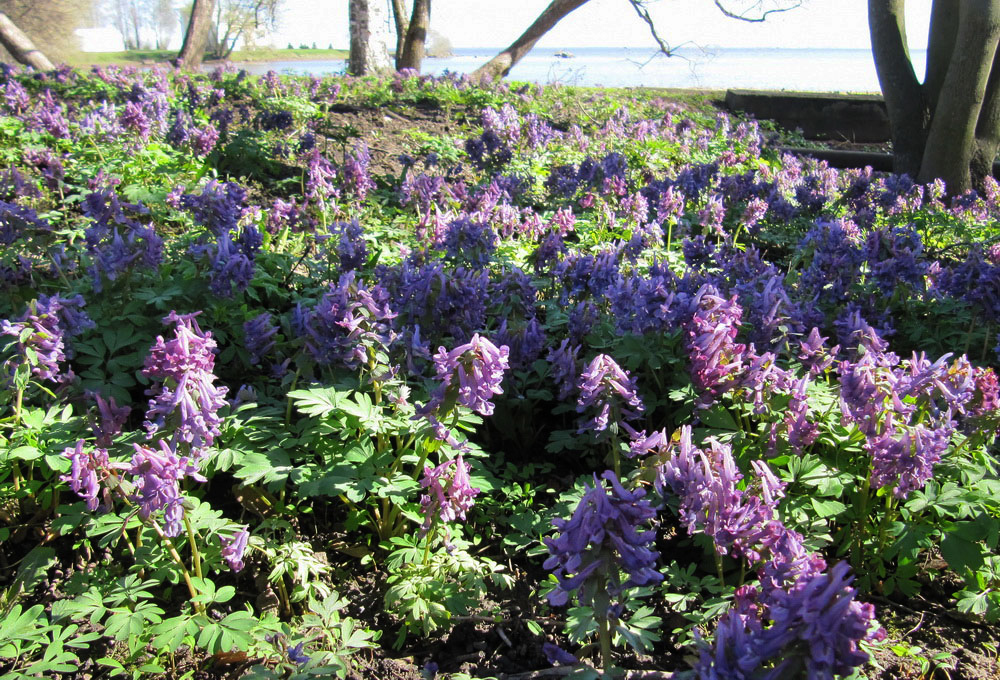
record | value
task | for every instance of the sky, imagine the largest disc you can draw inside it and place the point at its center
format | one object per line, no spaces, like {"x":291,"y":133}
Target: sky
{"x":613,"y":23}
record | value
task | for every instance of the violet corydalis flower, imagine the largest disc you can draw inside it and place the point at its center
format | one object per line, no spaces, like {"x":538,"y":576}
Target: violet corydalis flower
{"x":602,"y":537}
{"x":157,"y":483}
{"x":234,"y":548}
{"x":449,"y":493}
{"x":186,"y":398}
{"x":469,"y":375}
{"x":605,"y":388}
{"x":88,"y":469}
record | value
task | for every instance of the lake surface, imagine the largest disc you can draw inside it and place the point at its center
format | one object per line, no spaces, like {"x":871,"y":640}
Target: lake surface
{"x":810,"y":70}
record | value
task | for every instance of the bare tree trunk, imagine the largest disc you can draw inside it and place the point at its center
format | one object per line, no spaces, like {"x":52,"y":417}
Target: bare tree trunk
{"x":500,"y":65}
{"x":950,"y":141}
{"x":193,"y":49}
{"x":402,"y":24}
{"x":369,"y":38}
{"x":416,"y":36}
{"x":134,"y":12}
{"x":909,"y":115}
{"x":20,"y":46}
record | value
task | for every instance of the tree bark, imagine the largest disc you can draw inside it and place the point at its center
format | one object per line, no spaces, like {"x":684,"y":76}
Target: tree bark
{"x":500,"y":65}
{"x":369,"y":38}
{"x":950,"y":141}
{"x":941,"y":36}
{"x":904,"y":102}
{"x":988,"y":128}
{"x":196,"y":36}
{"x":20,"y":46}
{"x":402,"y":24}
{"x":416,"y":37}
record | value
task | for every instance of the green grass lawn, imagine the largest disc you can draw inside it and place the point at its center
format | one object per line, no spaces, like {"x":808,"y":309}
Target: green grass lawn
{"x":256,"y":54}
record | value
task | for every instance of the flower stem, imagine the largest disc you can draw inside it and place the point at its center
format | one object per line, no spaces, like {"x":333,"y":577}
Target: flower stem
{"x":195,"y":555}
{"x":200,"y":608}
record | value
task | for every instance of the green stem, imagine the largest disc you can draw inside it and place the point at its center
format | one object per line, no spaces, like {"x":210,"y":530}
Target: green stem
{"x":859,"y":527}
{"x":200,"y":608}
{"x":601,"y":605}
{"x":288,"y":407}
{"x":193,"y":543}
{"x":719,"y":569}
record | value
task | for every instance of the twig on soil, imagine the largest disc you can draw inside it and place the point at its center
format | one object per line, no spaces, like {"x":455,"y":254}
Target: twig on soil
{"x":561,"y":671}
{"x":503,"y":636}
{"x":917,"y":627}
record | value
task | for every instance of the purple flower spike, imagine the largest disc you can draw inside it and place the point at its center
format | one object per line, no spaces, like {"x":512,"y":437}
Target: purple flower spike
{"x":814,"y":631}
{"x":604,"y":387}
{"x":471,"y":374}
{"x":87,"y":471}
{"x":602,"y":536}
{"x":259,"y":335}
{"x":234,"y":548}
{"x":186,"y":395}
{"x":450,"y":495}
{"x":158,"y":474}
{"x":111,"y":420}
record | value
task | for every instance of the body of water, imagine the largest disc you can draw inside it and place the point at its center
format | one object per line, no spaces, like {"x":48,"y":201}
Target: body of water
{"x":810,"y":70}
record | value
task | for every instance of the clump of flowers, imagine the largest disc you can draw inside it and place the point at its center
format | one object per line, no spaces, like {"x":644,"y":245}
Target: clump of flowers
{"x":812,"y":629}
{"x":469,"y":375}
{"x":88,"y":470}
{"x":41,"y":335}
{"x":449,"y":494}
{"x":185,"y":398}
{"x":157,"y":483}
{"x":601,"y":539}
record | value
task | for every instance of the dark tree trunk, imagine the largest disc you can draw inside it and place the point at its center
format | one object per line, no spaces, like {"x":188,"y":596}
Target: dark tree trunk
{"x":949,"y":126}
{"x":500,"y":65}
{"x":196,"y":37}
{"x":416,"y":37}
{"x":20,"y":46}
{"x":402,"y":23}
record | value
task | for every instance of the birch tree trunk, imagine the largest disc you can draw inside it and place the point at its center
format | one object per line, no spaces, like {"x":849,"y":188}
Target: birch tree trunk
{"x":20,"y":46}
{"x":369,"y":38}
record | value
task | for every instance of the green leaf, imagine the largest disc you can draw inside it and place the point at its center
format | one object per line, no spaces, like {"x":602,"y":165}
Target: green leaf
{"x":828,"y":508}
{"x":961,"y":554}
{"x":317,"y":401}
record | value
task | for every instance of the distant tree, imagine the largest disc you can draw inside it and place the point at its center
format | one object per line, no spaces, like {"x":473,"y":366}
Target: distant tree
{"x":241,"y":19}
{"x":164,"y":20}
{"x":49,"y":23}
{"x":369,"y":38}
{"x":196,"y":35}
{"x":947,"y":127}
{"x":20,"y":46}
{"x":500,"y":65}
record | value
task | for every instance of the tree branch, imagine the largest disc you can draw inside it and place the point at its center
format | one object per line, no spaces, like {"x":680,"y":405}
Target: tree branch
{"x":640,"y":8}
{"x":762,"y":17}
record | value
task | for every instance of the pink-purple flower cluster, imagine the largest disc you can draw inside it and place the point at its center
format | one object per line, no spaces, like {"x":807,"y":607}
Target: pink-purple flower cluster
{"x":470,"y":375}
{"x":607,"y":391}
{"x":158,"y":474}
{"x":41,"y":336}
{"x":449,"y":494}
{"x":185,"y":400}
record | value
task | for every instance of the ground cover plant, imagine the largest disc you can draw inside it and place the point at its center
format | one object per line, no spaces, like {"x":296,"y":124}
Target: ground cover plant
{"x":593,"y":380}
